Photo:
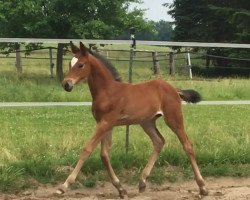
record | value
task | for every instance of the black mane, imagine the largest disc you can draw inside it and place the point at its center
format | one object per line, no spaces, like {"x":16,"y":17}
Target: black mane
{"x":108,"y":65}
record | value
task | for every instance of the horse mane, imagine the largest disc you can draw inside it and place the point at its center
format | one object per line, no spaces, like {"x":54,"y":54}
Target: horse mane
{"x":108,"y":65}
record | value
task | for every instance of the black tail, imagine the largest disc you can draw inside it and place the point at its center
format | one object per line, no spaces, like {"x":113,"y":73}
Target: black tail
{"x":190,"y":96}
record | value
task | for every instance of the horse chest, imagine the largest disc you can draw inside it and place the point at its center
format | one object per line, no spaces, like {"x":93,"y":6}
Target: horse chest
{"x":100,"y":109}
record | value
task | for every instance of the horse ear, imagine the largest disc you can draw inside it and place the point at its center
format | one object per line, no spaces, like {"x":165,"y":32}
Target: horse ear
{"x":84,"y":50}
{"x":74,"y":48}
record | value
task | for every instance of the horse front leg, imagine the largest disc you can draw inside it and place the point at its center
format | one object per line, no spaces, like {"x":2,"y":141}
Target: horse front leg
{"x":102,"y":128}
{"x":105,"y":148}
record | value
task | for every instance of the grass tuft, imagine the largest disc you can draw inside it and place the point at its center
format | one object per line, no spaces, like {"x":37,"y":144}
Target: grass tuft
{"x":10,"y":178}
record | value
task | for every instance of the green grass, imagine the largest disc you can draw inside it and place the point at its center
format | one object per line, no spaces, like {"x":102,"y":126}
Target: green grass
{"x":35,"y":84}
{"x":34,"y":87}
{"x":37,"y":142}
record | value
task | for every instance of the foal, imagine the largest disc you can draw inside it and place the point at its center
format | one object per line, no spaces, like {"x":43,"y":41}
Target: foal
{"x":116,"y":103}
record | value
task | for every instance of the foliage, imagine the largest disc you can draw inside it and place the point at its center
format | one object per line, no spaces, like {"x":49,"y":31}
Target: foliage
{"x":164,"y":30}
{"x":158,"y":31}
{"x":189,"y":21}
{"x":213,"y":21}
{"x":67,"y":19}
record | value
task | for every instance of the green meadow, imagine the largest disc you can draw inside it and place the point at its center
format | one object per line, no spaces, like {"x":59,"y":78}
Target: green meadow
{"x":39,"y":144}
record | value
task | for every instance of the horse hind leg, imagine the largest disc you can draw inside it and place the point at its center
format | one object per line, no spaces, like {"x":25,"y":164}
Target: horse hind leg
{"x":174,"y":119}
{"x":158,"y":143}
{"x":105,"y":147}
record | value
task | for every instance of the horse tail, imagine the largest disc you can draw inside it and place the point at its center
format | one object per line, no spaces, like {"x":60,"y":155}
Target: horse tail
{"x":190,"y":96}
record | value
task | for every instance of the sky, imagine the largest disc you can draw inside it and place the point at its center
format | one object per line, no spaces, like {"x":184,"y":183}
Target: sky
{"x":155,"y":10}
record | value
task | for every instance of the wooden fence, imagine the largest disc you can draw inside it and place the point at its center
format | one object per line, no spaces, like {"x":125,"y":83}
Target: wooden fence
{"x":156,"y":57}
{"x":154,"y":54}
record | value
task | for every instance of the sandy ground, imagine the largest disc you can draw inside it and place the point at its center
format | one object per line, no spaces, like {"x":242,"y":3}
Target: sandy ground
{"x":219,"y":189}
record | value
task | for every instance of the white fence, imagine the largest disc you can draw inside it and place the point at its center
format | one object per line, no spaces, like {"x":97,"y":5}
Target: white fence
{"x":154,"y":43}
{"x":48,"y":104}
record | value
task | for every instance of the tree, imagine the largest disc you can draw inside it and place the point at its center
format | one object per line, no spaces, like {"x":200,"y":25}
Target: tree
{"x":93,"y":19}
{"x":159,"y":31}
{"x":213,"y":21}
{"x":164,"y":30}
{"x":237,"y":15}
{"x":190,"y":24}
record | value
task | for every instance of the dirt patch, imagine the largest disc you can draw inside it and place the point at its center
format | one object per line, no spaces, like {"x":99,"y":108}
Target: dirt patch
{"x":219,"y":189}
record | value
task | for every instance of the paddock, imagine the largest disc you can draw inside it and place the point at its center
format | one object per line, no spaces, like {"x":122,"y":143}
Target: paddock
{"x":38,"y":142}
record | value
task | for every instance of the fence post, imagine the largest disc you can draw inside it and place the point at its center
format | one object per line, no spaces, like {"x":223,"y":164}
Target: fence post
{"x":107,"y":53}
{"x":130,"y":71}
{"x":51,"y":64}
{"x":156,"y":65}
{"x":98,"y":50}
{"x":189,"y":64}
{"x":171,"y":63}
{"x":59,"y":61}
{"x":18,"y":59}
{"x":207,"y":58}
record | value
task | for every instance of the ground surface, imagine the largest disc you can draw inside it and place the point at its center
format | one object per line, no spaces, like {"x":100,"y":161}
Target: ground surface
{"x":219,"y":189}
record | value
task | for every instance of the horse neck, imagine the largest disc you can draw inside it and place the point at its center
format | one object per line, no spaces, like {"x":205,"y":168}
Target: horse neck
{"x":100,"y":78}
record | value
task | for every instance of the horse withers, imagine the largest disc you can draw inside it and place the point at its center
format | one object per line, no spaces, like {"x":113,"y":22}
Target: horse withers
{"x":116,"y":103}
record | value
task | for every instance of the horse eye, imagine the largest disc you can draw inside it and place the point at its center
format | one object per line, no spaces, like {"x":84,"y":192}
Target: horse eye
{"x":81,"y":65}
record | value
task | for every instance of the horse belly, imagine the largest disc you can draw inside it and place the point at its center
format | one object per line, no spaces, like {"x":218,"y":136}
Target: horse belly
{"x":137,"y":114}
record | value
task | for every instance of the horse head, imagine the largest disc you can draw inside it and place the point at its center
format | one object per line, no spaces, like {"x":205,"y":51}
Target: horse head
{"x":79,"y":67}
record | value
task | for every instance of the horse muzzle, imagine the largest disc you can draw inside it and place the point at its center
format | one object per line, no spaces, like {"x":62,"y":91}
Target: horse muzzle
{"x":67,"y":85}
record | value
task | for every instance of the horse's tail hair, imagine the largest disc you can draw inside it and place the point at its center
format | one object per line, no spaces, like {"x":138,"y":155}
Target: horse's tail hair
{"x":190,"y":96}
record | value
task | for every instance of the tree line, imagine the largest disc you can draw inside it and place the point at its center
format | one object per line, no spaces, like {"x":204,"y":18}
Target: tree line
{"x":213,"y":21}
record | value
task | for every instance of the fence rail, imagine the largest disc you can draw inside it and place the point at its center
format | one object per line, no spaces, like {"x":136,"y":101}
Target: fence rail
{"x":48,"y":104}
{"x":153,"y":43}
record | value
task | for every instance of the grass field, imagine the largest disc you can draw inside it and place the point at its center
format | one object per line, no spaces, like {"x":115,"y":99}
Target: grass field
{"x":39,"y":88}
{"x":39,"y":144}
{"x":35,"y":84}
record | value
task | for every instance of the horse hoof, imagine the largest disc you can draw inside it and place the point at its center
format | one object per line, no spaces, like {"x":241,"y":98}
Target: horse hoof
{"x":60,"y":190}
{"x":142,"y":186}
{"x":203,"y":191}
{"x":123,"y":193}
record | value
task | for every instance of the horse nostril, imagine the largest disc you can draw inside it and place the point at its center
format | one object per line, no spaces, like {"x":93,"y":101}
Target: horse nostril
{"x":68,"y":86}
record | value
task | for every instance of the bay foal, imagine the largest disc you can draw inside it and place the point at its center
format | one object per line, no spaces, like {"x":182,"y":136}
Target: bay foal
{"x":116,"y":103}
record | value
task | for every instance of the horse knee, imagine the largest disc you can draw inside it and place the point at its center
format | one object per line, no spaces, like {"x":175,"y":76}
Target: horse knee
{"x":86,"y":152}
